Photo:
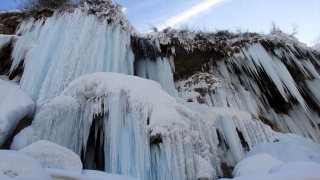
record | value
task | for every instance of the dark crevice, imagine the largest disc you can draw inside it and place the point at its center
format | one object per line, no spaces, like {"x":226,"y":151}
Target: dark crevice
{"x":93,"y":158}
{"x":243,"y":141}
{"x":23,"y":123}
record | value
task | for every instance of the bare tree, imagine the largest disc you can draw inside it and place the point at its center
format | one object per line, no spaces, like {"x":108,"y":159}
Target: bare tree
{"x":316,"y":41}
{"x":39,"y":4}
{"x":294,"y":29}
{"x":274,"y":29}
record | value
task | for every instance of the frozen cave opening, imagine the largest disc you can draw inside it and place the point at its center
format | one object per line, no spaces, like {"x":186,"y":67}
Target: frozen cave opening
{"x":92,"y":155}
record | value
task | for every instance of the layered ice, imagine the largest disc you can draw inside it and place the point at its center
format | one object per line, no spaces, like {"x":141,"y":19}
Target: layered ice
{"x":14,"y":105}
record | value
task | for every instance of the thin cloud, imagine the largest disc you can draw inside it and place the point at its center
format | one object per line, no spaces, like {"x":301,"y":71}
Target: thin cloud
{"x":191,"y":12}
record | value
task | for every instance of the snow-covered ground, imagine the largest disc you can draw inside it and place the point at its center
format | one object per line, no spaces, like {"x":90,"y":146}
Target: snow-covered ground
{"x":20,"y":166}
{"x":289,"y":157}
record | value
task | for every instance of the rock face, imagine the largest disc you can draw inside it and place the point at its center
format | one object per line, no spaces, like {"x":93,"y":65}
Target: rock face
{"x":1,"y":28}
{"x":10,"y":25}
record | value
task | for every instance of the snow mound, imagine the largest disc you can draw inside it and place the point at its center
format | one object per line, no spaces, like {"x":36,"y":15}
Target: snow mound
{"x":289,"y":148}
{"x":256,"y":164}
{"x":298,"y":170}
{"x":16,"y":165}
{"x":99,"y":175}
{"x":59,"y":174}
{"x":14,"y":105}
{"x":51,"y":155}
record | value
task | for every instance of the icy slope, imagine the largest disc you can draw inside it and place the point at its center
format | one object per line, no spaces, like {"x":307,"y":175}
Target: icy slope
{"x":14,"y":105}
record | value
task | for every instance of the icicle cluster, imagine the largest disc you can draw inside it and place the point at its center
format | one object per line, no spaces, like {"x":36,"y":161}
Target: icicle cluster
{"x":160,"y":71}
{"x":216,"y":98}
{"x":254,"y":60}
{"x":65,"y":47}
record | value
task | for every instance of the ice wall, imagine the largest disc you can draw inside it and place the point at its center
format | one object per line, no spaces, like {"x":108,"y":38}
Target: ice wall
{"x":65,"y":47}
{"x":133,"y":109}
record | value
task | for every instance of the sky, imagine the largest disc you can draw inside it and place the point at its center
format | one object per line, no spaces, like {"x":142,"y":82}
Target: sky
{"x":210,"y":15}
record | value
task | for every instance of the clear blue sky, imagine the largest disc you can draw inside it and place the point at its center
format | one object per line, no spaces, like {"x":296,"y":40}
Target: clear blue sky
{"x":254,"y":15}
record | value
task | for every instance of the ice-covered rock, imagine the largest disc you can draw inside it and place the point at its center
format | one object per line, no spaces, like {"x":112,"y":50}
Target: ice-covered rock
{"x":14,"y":105}
{"x":19,"y":166}
{"x":58,"y":118}
{"x":256,"y":164}
{"x":51,"y":155}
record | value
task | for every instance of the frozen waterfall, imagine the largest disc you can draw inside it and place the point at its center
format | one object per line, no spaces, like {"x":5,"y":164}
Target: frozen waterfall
{"x":67,"y":46}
